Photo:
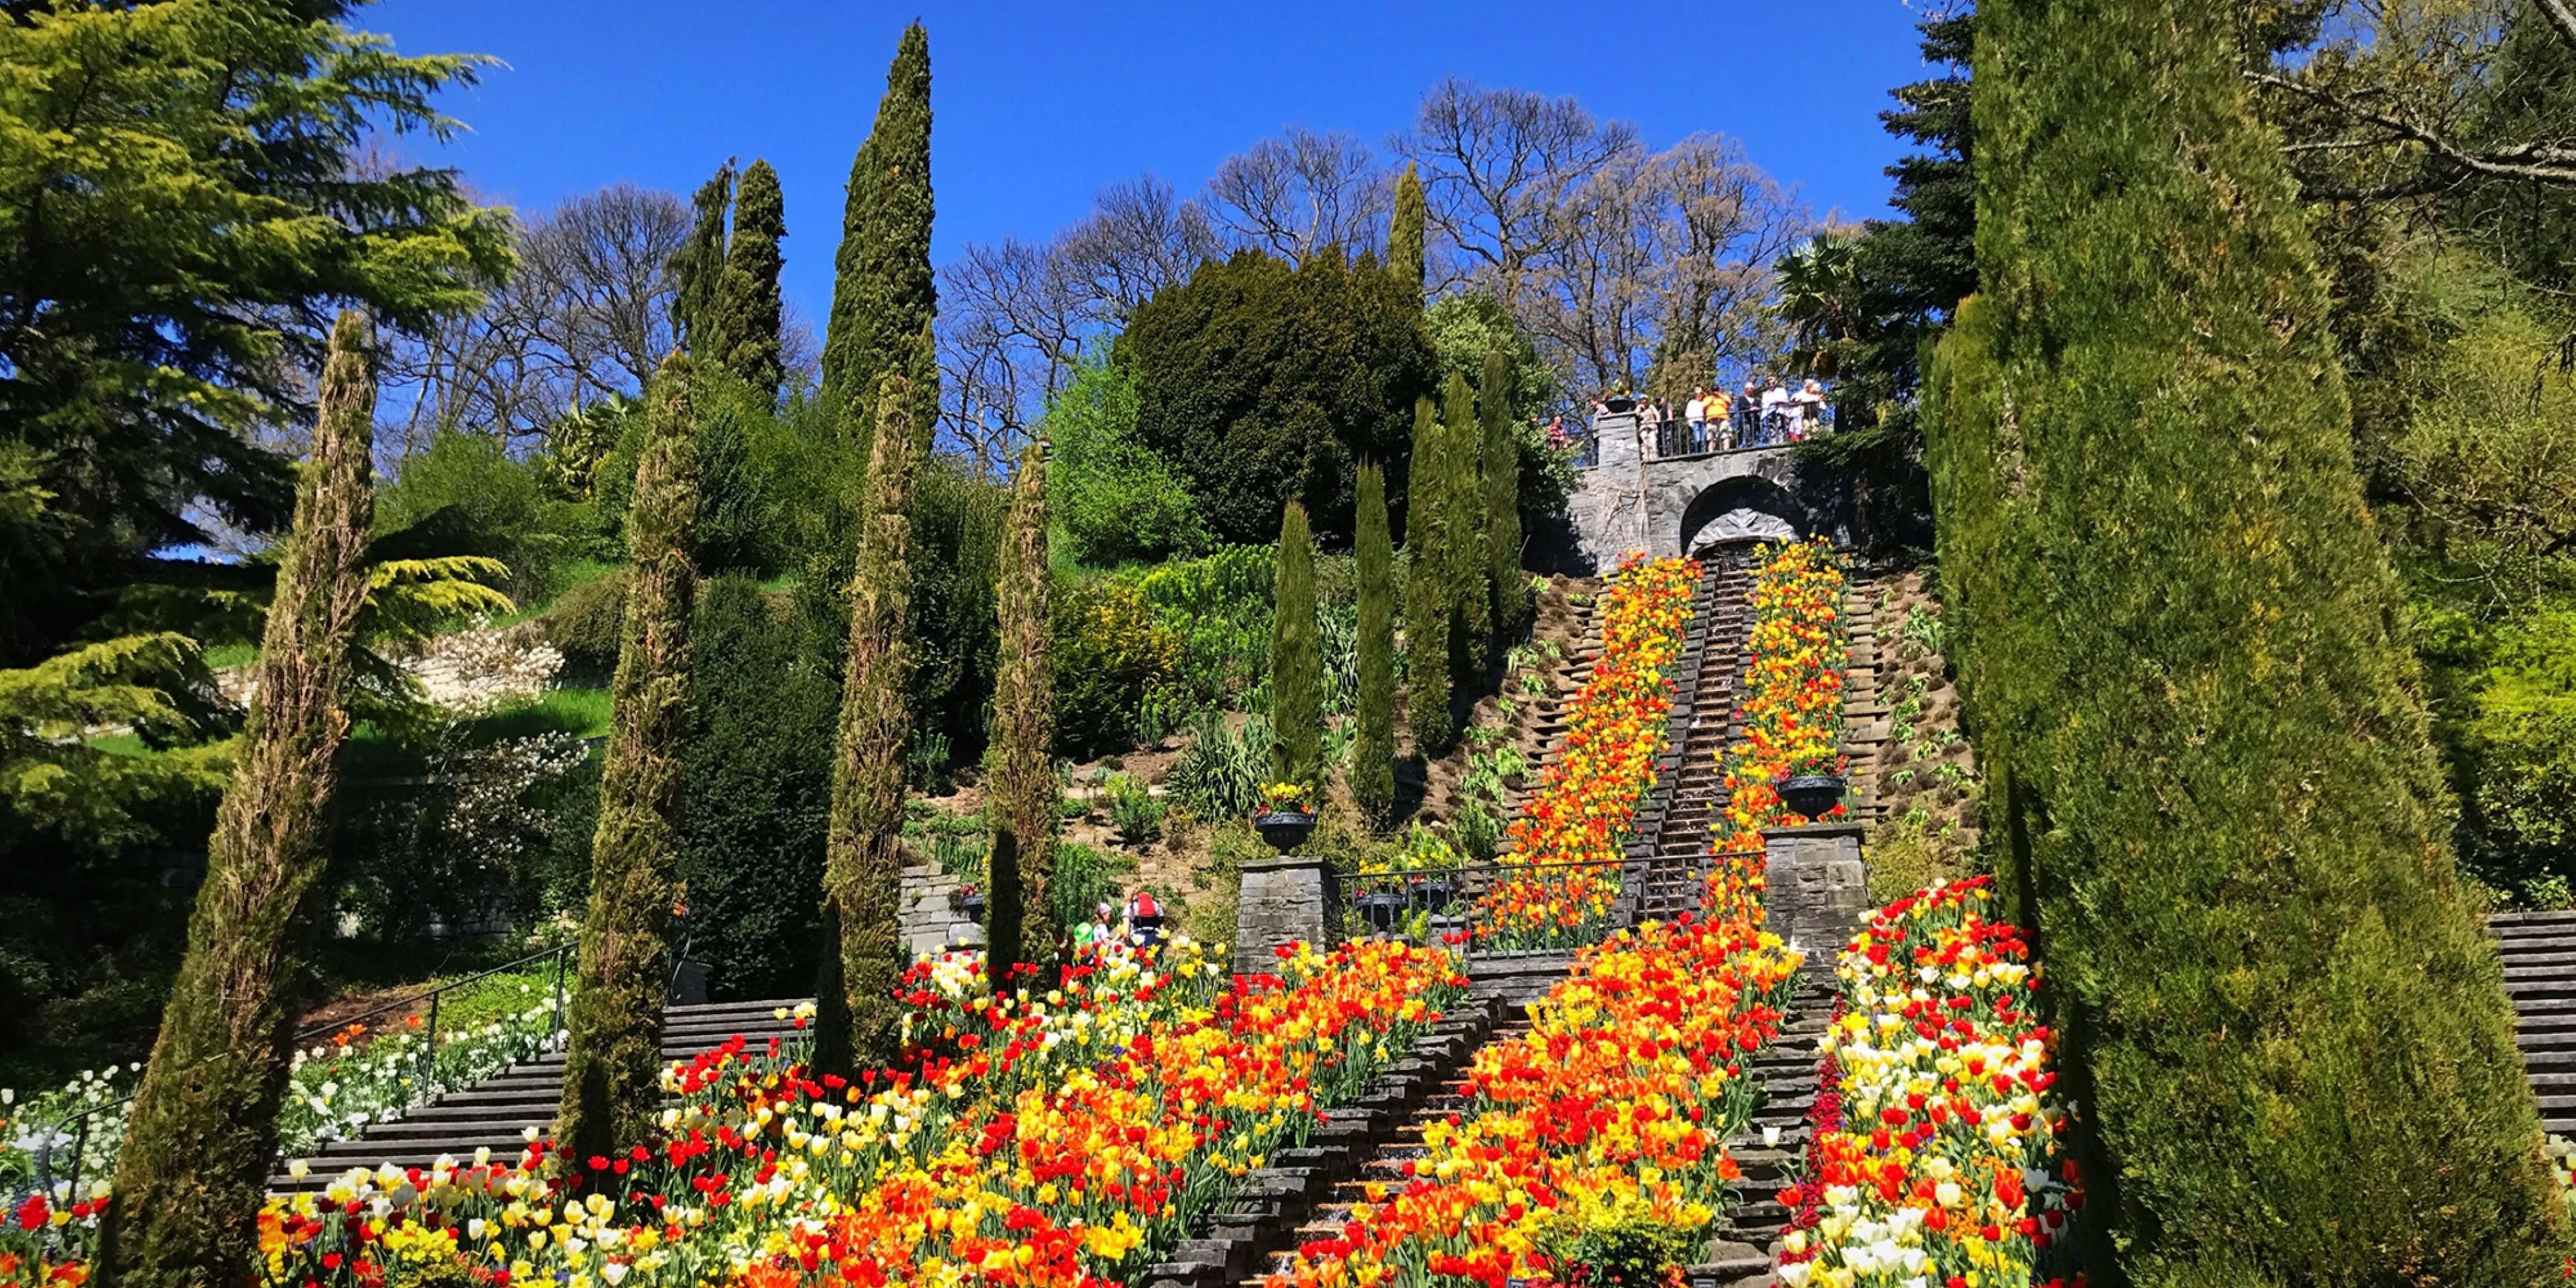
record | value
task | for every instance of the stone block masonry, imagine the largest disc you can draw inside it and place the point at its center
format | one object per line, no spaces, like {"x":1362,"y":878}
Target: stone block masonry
{"x":927,"y":912}
{"x":1284,"y":900}
{"x":1817,"y":890}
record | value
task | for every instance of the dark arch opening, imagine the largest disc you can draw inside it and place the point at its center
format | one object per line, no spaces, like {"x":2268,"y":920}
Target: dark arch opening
{"x":1745,"y":508}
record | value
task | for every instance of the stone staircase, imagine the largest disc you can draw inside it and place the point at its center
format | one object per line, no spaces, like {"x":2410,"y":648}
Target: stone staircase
{"x":2539,"y":954}
{"x":1547,"y":712}
{"x":495,"y":1113}
{"x":1671,"y":852}
{"x":1773,"y":1149}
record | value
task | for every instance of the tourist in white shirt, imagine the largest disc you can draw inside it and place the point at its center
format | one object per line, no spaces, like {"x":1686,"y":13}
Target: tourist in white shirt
{"x":1696,"y":412}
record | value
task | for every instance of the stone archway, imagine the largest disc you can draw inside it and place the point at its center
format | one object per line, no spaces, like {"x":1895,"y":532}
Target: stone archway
{"x":1746,"y":507}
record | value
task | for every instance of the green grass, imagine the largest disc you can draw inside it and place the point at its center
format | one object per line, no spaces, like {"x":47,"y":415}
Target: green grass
{"x":581,"y":712}
{"x":221,"y":656}
{"x":574,"y":573}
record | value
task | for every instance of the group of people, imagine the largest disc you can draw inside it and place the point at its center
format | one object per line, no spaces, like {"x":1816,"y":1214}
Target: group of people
{"x":1141,"y":926}
{"x":1765,"y":413}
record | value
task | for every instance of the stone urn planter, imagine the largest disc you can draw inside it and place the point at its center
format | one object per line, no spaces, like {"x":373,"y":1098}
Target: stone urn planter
{"x":1382,"y":910}
{"x":1285,"y":829}
{"x":970,"y":901}
{"x":1432,"y":894}
{"x":1813,"y":795}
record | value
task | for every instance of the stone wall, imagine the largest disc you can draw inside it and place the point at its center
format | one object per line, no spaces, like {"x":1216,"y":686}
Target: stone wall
{"x":926,"y":909}
{"x":1817,"y":890}
{"x":1284,"y":900}
{"x":1630,"y":501}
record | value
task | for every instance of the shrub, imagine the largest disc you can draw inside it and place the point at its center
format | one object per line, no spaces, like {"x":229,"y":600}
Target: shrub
{"x":1218,"y":608}
{"x":1296,"y":659}
{"x":1110,"y":651}
{"x":1219,"y":775}
{"x":1133,"y":810}
{"x":478,"y":500}
{"x":1113,"y":500}
{"x":585,"y":622}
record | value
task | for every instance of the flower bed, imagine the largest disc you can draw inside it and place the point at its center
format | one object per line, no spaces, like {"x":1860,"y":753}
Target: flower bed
{"x":1793,"y":691}
{"x":1058,"y":1139}
{"x":1936,"y":1157}
{"x":1603,"y":1123}
{"x":1587,"y":796}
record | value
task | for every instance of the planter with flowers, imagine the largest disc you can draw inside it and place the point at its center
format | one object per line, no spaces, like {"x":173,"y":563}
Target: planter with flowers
{"x":1287,"y":815}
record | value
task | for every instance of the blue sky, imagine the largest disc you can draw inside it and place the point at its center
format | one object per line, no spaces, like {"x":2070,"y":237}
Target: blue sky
{"x":1039,"y":105}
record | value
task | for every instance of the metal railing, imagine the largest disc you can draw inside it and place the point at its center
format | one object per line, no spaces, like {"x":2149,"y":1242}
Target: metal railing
{"x":1501,"y":907}
{"x":77,"y":1128}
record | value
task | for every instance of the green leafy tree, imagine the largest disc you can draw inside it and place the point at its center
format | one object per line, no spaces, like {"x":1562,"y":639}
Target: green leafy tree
{"x":758,"y":800}
{"x":1024,"y":787}
{"x":1470,"y":596}
{"x":612,"y":1088}
{"x":1406,"y":233}
{"x":1262,"y":384}
{"x":1296,"y":658}
{"x":202,"y":1133}
{"x":2214,"y":802}
{"x":1427,"y":614}
{"x":697,"y":267}
{"x":1501,"y":502}
{"x":1373,"y":749}
{"x":747,"y":308}
{"x":857,"y":1023}
{"x":1114,"y":500}
{"x":883,"y":293}
{"x":181,"y":215}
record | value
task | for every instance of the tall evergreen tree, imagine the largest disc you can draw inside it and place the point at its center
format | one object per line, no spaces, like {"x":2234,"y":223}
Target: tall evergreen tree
{"x":857,"y":1022}
{"x":1471,"y":596}
{"x":612,"y":1088}
{"x":1373,"y":749}
{"x":1296,"y":658}
{"x":1024,"y":789}
{"x":1407,"y":236}
{"x":883,"y":294}
{"x":1427,"y":612}
{"x":698,"y":266}
{"x":202,"y":1133}
{"x":747,"y":308}
{"x":1501,"y":503}
{"x":2215,"y":807}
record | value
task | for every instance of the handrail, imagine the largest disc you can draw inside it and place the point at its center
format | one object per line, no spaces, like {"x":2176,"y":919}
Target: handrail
{"x":1474,"y":880}
{"x":80,"y":1121}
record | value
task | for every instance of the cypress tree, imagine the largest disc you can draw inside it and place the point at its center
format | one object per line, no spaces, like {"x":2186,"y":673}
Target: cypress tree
{"x":857,"y":1022}
{"x":612,"y":1088}
{"x":1407,"y":235}
{"x":747,"y":307}
{"x":699,"y":263}
{"x":1471,"y":598}
{"x":1024,"y":791}
{"x":883,"y":295}
{"x":1373,"y":750}
{"x":1426,"y":588}
{"x":1296,"y":658}
{"x":203,"y":1129}
{"x":1502,"y":499}
{"x":2215,"y":804}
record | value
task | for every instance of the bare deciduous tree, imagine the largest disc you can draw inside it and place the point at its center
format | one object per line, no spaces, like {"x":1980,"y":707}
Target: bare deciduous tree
{"x":1295,"y":195}
{"x":1498,"y":165}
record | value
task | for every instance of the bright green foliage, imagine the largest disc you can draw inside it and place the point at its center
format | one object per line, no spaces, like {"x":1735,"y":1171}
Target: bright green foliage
{"x":1373,"y":747}
{"x":1405,"y":235}
{"x":613,"y":1060}
{"x":1501,"y":499}
{"x":1296,"y":659}
{"x":735,"y":531}
{"x":857,"y":1022}
{"x":203,"y":1130}
{"x":181,"y":210}
{"x":1264,"y":384}
{"x":1111,"y":651}
{"x":697,"y":268}
{"x":1470,"y":324}
{"x":746,"y":310}
{"x":759,"y":793}
{"x":2213,"y":801}
{"x":883,"y":294}
{"x":468,"y":492}
{"x":1114,"y":500}
{"x":1024,"y":789}
{"x":1218,"y":609}
{"x":1463,"y":543}
{"x":1427,"y":612}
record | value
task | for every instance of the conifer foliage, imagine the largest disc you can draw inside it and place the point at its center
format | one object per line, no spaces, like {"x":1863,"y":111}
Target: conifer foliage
{"x":1373,"y":747}
{"x":1471,"y":599}
{"x":1024,"y":786}
{"x":2210,"y":778}
{"x":1502,"y":497}
{"x":857,"y":1022}
{"x":697,"y":268}
{"x":747,"y":307}
{"x":1426,"y":587}
{"x":883,"y":295}
{"x":203,"y":1129}
{"x":613,"y":1063}
{"x":1296,"y":658}
{"x":1407,"y":234}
